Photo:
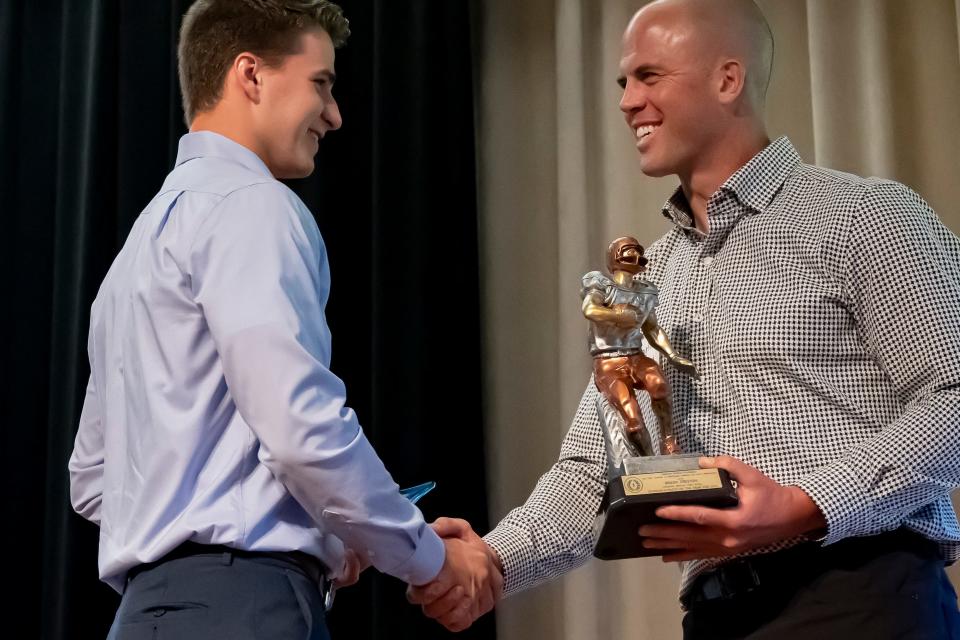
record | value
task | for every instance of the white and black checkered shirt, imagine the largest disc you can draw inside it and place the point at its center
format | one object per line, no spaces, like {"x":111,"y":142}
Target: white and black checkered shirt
{"x":823,"y":312}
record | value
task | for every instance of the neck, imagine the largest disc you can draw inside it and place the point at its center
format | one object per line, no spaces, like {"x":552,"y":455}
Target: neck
{"x":623,"y":278}
{"x":716,"y":165}
{"x":229,"y":125}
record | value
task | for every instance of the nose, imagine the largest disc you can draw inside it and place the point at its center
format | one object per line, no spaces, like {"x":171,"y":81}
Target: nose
{"x":331,"y":115}
{"x":634,"y":97}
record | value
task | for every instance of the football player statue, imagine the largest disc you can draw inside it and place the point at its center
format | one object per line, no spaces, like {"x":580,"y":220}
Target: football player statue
{"x":620,"y":307}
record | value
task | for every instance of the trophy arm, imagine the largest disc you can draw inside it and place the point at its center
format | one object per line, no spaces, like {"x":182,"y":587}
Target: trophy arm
{"x":596,"y":311}
{"x":659,"y":340}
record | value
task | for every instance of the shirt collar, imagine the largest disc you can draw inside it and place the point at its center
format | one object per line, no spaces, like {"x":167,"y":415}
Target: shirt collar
{"x":677,"y":210}
{"x":206,"y":144}
{"x":754,"y":184}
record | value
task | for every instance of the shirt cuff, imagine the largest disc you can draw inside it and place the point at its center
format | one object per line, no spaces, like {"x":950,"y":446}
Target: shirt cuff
{"x":835,"y":490}
{"x":514,"y":554}
{"x":425,"y":563}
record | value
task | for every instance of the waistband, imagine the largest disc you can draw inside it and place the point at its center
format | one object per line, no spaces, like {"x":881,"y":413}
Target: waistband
{"x":310,"y":566}
{"x":792,"y":566}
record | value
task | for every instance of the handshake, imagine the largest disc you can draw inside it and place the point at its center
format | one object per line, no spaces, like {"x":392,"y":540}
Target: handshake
{"x":468,"y":585}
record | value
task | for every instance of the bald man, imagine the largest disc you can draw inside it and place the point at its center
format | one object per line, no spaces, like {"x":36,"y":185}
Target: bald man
{"x":830,"y":373}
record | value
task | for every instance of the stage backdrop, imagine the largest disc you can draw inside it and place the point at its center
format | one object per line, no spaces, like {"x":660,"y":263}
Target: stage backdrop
{"x":867,"y":86}
{"x":90,"y":115}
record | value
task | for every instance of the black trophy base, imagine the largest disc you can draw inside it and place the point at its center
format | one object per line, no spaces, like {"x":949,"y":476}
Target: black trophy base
{"x":626,"y":506}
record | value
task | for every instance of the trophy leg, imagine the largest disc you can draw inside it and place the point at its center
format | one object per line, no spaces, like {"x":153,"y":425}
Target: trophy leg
{"x":652,"y":379}
{"x":614,"y":380}
{"x":664,"y":413}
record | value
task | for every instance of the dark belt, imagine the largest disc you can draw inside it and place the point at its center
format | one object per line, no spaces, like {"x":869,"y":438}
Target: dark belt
{"x":310,"y":566}
{"x":792,"y":567}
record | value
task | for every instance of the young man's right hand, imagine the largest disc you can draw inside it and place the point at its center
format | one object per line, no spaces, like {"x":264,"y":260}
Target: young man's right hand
{"x":470,"y":582}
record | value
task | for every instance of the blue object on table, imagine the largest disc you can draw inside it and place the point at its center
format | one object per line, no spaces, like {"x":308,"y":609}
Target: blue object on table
{"x":416,"y":492}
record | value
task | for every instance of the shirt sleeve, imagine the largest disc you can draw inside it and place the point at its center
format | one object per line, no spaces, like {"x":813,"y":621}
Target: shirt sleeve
{"x":552,"y":533}
{"x":86,"y":461}
{"x":902,"y":284}
{"x":259,"y":272}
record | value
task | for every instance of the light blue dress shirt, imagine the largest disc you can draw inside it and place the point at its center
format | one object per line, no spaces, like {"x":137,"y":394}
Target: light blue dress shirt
{"x":211,"y":413}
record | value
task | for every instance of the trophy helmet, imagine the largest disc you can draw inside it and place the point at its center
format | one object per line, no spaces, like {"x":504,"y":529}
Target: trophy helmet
{"x":626,"y":254}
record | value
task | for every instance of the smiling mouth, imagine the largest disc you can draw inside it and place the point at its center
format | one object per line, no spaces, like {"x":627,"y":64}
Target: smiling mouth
{"x":645,"y":130}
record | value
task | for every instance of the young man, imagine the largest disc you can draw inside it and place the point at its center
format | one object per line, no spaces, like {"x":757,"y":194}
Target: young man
{"x":830,"y":373}
{"x":215,"y":451}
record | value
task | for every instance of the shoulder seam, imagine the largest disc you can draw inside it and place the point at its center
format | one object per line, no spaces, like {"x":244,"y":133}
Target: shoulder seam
{"x":213,"y":210}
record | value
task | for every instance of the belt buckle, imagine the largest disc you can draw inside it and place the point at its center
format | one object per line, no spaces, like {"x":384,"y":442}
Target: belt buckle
{"x":738,"y":579}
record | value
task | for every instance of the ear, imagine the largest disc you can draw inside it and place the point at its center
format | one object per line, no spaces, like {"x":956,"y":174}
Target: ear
{"x":731,"y":81}
{"x":246,"y":73}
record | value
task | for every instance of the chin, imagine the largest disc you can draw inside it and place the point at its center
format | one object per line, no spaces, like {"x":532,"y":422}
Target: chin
{"x":655,"y":171}
{"x":295,"y":172}
{"x":654,"y":166}
{"x":304,"y":173}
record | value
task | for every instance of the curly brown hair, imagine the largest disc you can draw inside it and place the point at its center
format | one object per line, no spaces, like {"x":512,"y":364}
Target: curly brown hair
{"x":214,"y":32}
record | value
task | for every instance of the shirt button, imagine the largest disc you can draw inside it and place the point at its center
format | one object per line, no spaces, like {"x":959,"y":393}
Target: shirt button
{"x":706,"y":261}
{"x":698,"y":317}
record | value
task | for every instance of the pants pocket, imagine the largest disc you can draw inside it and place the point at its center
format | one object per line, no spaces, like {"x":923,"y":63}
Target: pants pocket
{"x":310,"y":603}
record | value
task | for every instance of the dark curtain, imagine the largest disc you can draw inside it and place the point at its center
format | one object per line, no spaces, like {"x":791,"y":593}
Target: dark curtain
{"x":90,"y":114}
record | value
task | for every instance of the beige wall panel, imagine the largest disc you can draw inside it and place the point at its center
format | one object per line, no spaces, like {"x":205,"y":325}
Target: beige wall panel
{"x":518,"y":232}
{"x":886,"y":87}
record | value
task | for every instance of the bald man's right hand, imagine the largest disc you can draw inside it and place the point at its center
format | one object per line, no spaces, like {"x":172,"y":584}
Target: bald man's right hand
{"x":470,"y":582}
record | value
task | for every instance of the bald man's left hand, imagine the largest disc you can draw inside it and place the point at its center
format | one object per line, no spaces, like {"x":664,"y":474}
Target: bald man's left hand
{"x":768,"y":512}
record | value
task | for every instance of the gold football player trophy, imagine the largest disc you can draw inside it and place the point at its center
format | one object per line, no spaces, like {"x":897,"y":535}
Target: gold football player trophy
{"x":621,"y":311}
{"x":621,"y":308}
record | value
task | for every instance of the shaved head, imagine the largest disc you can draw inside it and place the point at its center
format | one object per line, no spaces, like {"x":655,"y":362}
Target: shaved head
{"x":694,"y":75}
{"x":717,"y":30}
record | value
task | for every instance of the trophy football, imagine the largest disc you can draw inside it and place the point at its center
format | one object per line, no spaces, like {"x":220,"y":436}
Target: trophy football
{"x":644,"y":473}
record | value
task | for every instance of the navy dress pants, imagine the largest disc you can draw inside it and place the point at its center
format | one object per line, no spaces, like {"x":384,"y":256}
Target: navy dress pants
{"x":221,"y":595}
{"x":846,"y":591}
